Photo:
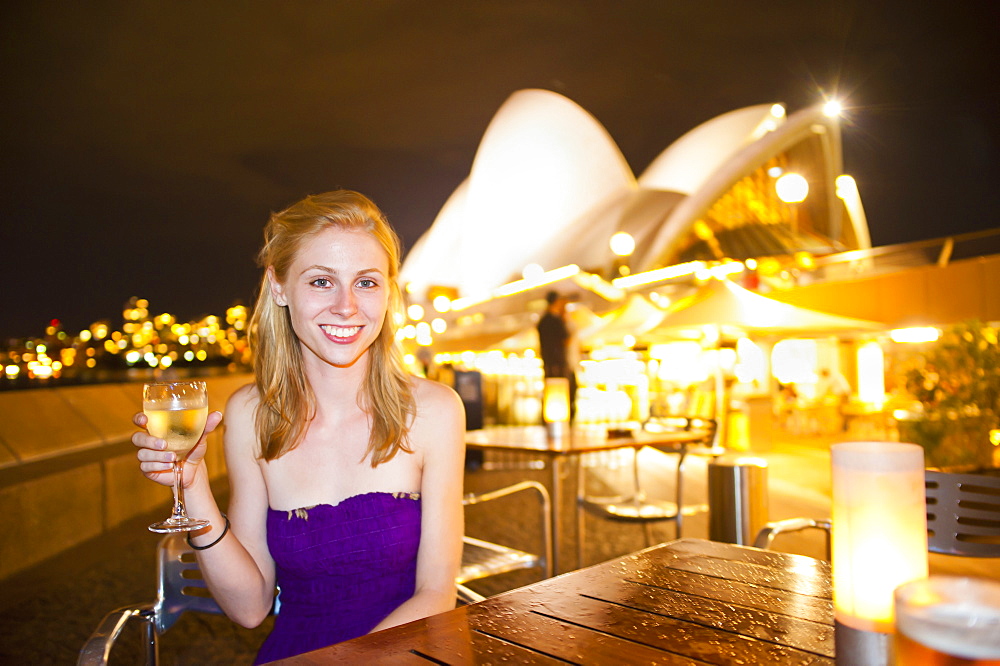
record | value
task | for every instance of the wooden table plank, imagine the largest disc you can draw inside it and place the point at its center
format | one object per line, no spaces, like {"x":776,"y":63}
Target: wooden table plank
{"x":805,"y":590}
{"x":780,"y":571}
{"x":807,"y":607}
{"x":483,"y":648}
{"x":686,"y":602}
{"x":672,"y":634}
{"x":576,"y":644}
{"x":443,"y":639}
{"x":731,"y":617}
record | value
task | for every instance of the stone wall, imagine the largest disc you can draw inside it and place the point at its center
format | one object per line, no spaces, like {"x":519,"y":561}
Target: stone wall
{"x":68,"y":470}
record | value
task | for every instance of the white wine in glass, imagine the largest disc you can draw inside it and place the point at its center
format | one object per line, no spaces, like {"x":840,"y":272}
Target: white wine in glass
{"x":176,"y":413}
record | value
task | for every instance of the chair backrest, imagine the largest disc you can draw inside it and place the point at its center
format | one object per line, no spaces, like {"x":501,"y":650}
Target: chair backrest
{"x":180,"y":585}
{"x":963,"y":514}
{"x":482,"y":558}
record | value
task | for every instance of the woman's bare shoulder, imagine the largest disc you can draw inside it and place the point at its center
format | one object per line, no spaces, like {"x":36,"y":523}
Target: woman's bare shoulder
{"x":243,"y":399}
{"x":439,"y":426}
{"x":240,"y":410}
{"x":438,"y":409}
{"x":433,"y":395}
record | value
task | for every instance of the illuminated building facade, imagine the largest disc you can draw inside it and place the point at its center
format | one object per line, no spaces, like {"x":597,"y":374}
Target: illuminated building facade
{"x":549,"y":188}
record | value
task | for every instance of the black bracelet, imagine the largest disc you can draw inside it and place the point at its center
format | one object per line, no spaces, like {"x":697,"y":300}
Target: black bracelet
{"x":221,"y":536}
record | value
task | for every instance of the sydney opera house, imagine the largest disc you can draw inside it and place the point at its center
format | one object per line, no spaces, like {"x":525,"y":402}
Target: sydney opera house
{"x":549,"y":187}
{"x":744,"y":233}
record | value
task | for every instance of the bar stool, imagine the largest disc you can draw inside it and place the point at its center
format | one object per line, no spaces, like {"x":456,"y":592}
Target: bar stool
{"x":638,"y":507}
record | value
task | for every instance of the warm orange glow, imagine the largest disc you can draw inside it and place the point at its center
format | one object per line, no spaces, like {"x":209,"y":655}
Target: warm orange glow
{"x":805,"y":260}
{"x":879,"y":529}
{"x":769,"y":266}
{"x":667,"y":273}
{"x":556,"y":400}
{"x":871,"y":374}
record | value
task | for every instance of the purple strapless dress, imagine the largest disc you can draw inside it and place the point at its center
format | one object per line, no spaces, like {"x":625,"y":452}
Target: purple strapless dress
{"x":341,"y":569}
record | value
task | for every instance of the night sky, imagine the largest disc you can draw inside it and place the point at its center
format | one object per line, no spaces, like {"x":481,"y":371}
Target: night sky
{"x":145,"y":143}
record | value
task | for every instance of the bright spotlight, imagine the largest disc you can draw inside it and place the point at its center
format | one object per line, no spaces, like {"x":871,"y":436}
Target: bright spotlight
{"x":622,"y":244}
{"x":832,"y":108}
{"x":792,"y":188}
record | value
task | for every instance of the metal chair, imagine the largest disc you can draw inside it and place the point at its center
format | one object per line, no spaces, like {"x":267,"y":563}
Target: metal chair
{"x":765,"y":537}
{"x":638,"y":507}
{"x":963,"y":516}
{"x":481,"y":559}
{"x":180,"y":587}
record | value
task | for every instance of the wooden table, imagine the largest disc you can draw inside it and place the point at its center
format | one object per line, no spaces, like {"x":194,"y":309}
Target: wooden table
{"x":564,"y":452}
{"x":689,"y":601}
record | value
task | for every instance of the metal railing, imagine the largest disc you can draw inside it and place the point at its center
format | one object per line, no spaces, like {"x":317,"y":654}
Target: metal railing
{"x":892,"y":258}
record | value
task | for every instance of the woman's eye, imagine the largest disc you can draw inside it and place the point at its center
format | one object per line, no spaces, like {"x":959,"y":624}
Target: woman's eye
{"x":367,"y":283}
{"x":321,"y":282}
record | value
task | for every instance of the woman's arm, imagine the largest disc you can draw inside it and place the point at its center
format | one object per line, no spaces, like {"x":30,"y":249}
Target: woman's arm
{"x":438,"y":435}
{"x":238,"y":569}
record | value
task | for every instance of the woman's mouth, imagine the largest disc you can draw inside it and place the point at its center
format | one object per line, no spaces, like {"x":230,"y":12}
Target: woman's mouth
{"x":341,"y":333}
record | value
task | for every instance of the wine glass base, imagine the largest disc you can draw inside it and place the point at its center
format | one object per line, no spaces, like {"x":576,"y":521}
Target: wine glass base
{"x":171,"y":526}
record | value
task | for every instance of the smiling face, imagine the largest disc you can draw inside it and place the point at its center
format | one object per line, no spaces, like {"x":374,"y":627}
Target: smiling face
{"x":337,"y":293}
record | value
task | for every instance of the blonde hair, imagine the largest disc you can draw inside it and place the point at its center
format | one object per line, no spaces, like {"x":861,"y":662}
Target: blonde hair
{"x":287,"y":402}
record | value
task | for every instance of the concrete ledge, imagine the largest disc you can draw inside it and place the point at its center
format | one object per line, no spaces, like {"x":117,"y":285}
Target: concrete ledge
{"x":68,"y":471}
{"x":40,"y":518}
{"x":40,"y":423}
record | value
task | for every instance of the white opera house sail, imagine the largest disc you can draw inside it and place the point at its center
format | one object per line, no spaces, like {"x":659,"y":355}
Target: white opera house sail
{"x":549,"y":187}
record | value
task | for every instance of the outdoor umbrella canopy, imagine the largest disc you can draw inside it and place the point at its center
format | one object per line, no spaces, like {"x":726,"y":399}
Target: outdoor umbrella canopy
{"x":730,"y":311}
{"x":728,"y":306}
{"x":635,"y":317}
{"x":507,"y":332}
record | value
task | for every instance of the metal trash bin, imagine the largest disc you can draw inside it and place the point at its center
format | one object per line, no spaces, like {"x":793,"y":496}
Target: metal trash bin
{"x":737,"y":499}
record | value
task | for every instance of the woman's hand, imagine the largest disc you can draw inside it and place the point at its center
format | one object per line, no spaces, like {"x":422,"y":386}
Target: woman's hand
{"x":156,"y":463}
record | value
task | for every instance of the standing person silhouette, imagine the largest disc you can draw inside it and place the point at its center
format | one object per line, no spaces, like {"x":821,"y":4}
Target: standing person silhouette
{"x":833,"y":388}
{"x":345,"y":470}
{"x":555,"y":344}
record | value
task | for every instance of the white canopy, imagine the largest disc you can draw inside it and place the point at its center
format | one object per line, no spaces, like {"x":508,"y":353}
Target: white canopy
{"x":635,"y":317}
{"x":729,"y":306}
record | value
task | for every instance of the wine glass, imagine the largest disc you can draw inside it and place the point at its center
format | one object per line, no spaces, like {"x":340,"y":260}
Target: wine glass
{"x":176,"y":412}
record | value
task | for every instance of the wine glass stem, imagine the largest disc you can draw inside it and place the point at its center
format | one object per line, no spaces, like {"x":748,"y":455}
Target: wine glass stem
{"x":179,"y":513}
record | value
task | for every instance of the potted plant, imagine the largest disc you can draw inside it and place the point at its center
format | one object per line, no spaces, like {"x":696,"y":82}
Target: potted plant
{"x":957,"y":383}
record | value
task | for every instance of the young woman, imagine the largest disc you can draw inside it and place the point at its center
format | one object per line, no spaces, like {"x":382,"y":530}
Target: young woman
{"x":346,"y":471}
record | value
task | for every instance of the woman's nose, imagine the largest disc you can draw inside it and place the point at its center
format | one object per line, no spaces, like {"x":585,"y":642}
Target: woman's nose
{"x":344,"y":302}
